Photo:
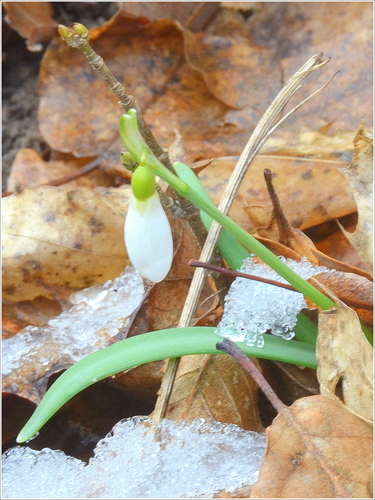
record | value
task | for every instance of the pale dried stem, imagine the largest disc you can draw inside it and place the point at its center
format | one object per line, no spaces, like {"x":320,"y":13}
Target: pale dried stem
{"x":256,"y":141}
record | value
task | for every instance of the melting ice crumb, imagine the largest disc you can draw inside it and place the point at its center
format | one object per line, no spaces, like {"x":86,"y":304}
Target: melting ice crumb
{"x":253,"y":308}
{"x":96,"y":315}
{"x":140,"y":459}
{"x":37,"y":474}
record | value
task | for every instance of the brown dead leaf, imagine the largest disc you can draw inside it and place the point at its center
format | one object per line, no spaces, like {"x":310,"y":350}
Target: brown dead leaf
{"x":329,"y":239}
{"x":299,"y":380}
{"x":33,"y":21}
{"x":279,"y":249}
{"x":226,"y":64}
{"x":297,"y":243}
{"x":215,"y":388}
{"x":270,"y":27}
{"x":29,"y":170}
{"x":345,"y":355}
{"x":316,"y":449}
{"x":342,"y":30}
{"x":305,"y":188}
{"x":77,"y":112}
{"x":331,"y":263}
{"x":28,"y":312}
{"x":301,"y":26}
{"x":193,"y":15}
{"x":243,"y":492}
{"x":331,"y":146}
{"x":349,"y":96}
{"x":74,"y":238}
{"x":356,"y":291}
{"x":291,"y":31}
{"x":360,"y":176}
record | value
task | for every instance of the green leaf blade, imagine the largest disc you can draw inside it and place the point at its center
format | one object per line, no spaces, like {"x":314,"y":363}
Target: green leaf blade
{"x":153,"y":346}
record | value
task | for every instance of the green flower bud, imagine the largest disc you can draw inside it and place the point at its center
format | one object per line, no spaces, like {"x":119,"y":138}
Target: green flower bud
{"x":81,"y":30}
{"x":64,"y":31}
{"x":143,"y":182}
{"x":128,"y":161}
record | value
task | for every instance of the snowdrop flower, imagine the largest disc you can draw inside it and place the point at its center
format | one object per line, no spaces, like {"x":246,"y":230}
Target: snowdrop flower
{"x":148,"y":236}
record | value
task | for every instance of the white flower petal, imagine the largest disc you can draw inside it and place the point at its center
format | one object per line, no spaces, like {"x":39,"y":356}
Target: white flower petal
{"x":148,"y":238}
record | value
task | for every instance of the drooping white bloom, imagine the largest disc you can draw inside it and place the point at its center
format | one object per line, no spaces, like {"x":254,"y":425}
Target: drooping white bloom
{"x":148,"y":238}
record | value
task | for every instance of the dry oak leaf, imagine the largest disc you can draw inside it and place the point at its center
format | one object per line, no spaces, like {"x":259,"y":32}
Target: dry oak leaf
{"x":18,"y":315}
{"x":194,"y":15}
{"x":30,"y":170}
{"x":149,"y":59}
{"x":342,"y":30}
{"x":291,"y":30}
{"x":215,"y":387}
{"x":33,"y":21}
{"x":360,"y":176}
{"x":233,"y":70}
{"x":75,"y":239}
{"x":304,"y":186}
{"x":320,"y":144}
{"x":77,"y":111}
{"x":316,"y":449}
{"x":354,"y":290}
{"x":336,"y":239}
{"x":344,"y":353}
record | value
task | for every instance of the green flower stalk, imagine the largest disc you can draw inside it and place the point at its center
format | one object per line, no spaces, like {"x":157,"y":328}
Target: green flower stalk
{"x":141,"y":153}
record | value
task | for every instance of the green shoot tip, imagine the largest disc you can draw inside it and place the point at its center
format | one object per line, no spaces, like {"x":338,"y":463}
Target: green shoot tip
{"x":64,"y":32}
{"x":80,"y":29}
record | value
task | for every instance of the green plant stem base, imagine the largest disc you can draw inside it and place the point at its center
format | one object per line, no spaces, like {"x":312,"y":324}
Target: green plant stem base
{"x":154,"y":346}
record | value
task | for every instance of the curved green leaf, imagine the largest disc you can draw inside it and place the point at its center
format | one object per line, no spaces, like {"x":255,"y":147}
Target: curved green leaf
{"x":154,"y":346}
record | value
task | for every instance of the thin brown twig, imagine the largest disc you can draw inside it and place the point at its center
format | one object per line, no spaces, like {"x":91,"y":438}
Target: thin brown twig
{"x":180,"y":206}
{"x":238,"y":274}
{"x":247,"y":364}
{"x":278,"y":212}
{"x":126,"y":101}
